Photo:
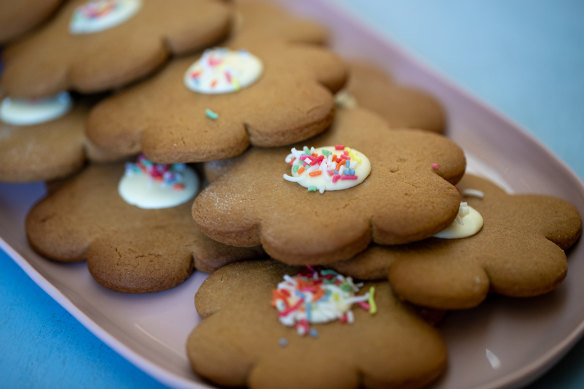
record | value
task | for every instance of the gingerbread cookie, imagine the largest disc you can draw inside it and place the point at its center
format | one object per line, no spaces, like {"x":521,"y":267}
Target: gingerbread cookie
{"x":132,"y":226}
{"x":19,"y":17}
{"x":243,"y":341}
{"x":97,"y":45}
{"x":215,"y":105}
{"x":371,"y":264}
{"x":41,"y":140}
{"x":271,"y":196}
{"x":519,"y":252}
{"x":401,"y":106}
{"x":44,"y":139}
{"x":255,"y":20}
{"x":214,"y":169}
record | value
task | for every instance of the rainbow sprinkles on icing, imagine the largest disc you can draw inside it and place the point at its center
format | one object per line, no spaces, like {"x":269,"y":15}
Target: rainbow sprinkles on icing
{"x":222,"y":70}
{"x":319,"y":296}
{"x":154,"y":185}
{"x":98,"y":15}
{"x":327,"y":168}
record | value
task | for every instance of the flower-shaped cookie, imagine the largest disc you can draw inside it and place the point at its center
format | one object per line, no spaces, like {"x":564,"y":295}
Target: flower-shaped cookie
{"x":257,"y":20}
{"x":19,"y":17}
{"x":166,"y":120}
{"x":408,"y":196}
{"x":401,"y":106}
{"x":240,"y":341}
{"x":519,"y":252}
{"x":50,"y":147}
{"x":68,"y":54}
{"x":128,"y":249}
{"x":43,"y":151}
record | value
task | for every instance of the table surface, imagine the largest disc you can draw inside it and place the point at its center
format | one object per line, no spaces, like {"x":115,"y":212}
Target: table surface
{"x":522,"y":57}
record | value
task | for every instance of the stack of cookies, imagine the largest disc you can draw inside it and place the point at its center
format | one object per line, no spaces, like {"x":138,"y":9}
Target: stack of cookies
{"x":333,"y":214}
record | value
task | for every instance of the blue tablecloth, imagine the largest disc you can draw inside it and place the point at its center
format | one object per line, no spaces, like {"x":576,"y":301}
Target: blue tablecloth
{"x":523,"y":57}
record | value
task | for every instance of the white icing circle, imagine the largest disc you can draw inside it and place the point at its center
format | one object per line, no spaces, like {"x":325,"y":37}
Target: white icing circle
{"x":468,"y":222}
{"x":222,"y":70}
{"x":98,"y":15}
{"x":319,"y":296}
{"x":139,"y":189}
{"x":329,"y":178}
{"x":26,"y":112}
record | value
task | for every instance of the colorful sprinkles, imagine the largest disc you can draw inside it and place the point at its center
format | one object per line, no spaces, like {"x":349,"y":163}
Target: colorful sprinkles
{"x":165,"y":174}
{"x":221,"y":70}
{"x":211,"y":115}
{"x":214,"y":61}
{"x":96,"y":9}
{"x":319,"y":296}
{"x":97,"y":15}
{"x":326,"y":165}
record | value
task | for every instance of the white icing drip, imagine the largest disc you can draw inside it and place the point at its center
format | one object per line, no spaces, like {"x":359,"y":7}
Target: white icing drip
{"x":86,"y":18}
{"x":344,"y":99}
{"x":468,"y":222}
{"x":139,"y":189}
{"x":221,"y":70}
{"x":26,"y":112}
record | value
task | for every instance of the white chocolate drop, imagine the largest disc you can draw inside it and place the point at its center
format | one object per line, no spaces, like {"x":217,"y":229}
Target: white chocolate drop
{"x":468,"y":222}
{"x":221,"y":70}
{"x":26,"y":112}
{"x":99,"y":15}
{"x":141,"y":190}
{"x":329,"y":177}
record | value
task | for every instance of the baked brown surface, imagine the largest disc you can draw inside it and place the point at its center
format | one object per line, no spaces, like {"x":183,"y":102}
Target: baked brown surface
{"x":19,"y":17}
{"x":518,"y":253}
{"x":214,"y":169}
{"x":371,"y":264}
{"x":43,"y":151}
{"x":238,"y":341}
{"x":402,"y":106}
{"x":51,"y":150}
{"x":128,"y":249}
{"x":290,"y":102}
{"x":255,"y":20}
{"x":404,"y":199}
{"x":52,"y":60}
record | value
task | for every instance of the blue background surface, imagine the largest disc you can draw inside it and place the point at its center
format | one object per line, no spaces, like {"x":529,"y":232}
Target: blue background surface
{"x":523,"y":57}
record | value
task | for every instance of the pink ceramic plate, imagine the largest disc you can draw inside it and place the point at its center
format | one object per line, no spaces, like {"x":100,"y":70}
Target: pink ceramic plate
{"x":504,"y":343}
